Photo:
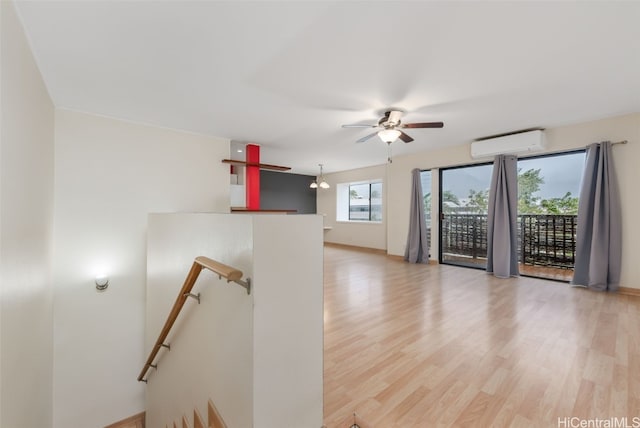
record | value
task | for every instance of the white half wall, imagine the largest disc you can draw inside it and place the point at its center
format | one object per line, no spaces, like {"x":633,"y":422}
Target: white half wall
{"x":26,"y":232}
{"x":288,"y":321}
{"x":360,"y":234}
{"x":258,"y":357}
{"x":109,"y":175}
{"x":211,"y":342}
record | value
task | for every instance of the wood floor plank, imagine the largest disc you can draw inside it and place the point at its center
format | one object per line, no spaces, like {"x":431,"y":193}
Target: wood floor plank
{"x":445,"y":410}
{"x":436,"y":345}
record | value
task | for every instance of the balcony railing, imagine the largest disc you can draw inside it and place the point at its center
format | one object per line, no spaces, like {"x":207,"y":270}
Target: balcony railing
{"x":543,"y":240}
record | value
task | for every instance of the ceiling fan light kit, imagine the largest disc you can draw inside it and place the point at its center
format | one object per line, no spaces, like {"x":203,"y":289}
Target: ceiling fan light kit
{"x":389,"y":135}
{"x":391,"y":128}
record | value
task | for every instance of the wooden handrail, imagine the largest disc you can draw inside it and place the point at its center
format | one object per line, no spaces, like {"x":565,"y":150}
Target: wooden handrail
{"x":222,"y":270}
{"x":229,"y":273}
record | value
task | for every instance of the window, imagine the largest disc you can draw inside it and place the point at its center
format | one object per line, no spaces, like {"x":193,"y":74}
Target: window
{"x":361,"y":201}
{"x":365,"y":202}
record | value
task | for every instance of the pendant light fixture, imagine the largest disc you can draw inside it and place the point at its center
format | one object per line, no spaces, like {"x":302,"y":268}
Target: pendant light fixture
{"x":320,"y":182}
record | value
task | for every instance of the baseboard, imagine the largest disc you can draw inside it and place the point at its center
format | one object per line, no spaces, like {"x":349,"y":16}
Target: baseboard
{"x":629,"y":291}
{"x":132,"y":421}
{"x":372,"y":250}
{"x":357,"y":248}
{"x":401,"y":259}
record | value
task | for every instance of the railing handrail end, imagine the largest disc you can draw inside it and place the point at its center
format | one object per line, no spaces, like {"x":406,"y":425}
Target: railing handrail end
{"x":225,"y":271}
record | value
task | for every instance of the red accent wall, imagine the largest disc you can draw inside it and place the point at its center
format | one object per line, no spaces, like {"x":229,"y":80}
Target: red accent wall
{"x":253,"y":177}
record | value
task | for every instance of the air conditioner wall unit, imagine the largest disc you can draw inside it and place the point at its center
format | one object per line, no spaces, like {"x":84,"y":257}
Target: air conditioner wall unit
{"x":522,"y":142}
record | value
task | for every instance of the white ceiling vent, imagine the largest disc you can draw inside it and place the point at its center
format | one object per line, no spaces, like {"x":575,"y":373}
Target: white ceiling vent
{"x":521,"y":142}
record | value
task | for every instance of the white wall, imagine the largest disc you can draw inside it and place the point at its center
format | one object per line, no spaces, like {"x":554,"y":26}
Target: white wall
{"x":26,"y":227}
{"x":361,"y":234}
{"x":109,"y":175}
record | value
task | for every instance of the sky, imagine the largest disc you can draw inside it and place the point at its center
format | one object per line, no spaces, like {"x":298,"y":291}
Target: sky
{"x":561,"y":174}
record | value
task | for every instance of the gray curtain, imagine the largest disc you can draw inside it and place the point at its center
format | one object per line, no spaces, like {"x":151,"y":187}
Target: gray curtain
{"x":502,"y":229}
{"x":417,"y":250}
{"x":599,"y":233}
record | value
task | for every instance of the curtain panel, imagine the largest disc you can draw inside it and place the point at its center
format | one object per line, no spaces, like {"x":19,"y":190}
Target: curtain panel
{"x":502,"y":229}
{"x":417,"y":250}
{"x":599,"y":231}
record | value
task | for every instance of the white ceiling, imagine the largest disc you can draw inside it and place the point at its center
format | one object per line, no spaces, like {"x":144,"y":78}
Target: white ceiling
{"x":286,"y":75}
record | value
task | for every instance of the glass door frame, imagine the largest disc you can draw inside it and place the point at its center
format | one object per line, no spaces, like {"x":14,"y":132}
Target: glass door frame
{"x":441,"y":213}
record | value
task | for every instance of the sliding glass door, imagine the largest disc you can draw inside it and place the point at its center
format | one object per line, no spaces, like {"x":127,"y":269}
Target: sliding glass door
{"x":464,"y":197}
{"x":548,"y":190}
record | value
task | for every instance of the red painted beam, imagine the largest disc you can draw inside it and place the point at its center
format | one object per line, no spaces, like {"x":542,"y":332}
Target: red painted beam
{"x":252,"y":177}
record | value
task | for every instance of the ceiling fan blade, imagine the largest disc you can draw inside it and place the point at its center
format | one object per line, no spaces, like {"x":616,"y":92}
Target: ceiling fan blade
{"x":404,"y":137}
{"x":366,"y":137}
{"x":423,"y":125}
{"x":359,"y":126}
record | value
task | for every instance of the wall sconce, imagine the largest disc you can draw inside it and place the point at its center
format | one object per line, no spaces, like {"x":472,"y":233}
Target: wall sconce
{"x":102,"y":282}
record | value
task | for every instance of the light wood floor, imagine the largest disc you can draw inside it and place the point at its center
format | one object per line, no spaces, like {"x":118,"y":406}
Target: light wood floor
{"x":435,"y":345}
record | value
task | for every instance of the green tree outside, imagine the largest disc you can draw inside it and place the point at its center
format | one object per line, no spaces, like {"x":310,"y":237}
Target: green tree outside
{"x":447,"y":196}
{"x":478,"y":202}
{"x":564,"y":205}
{"x":529,"y":202}
{"x":529,"y":183}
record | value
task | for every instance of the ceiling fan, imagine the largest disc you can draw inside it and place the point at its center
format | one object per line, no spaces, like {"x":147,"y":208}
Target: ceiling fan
{"x":391,"y":128}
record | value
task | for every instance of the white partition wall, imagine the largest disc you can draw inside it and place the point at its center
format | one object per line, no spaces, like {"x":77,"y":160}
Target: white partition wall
{"x":258,"y":357}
